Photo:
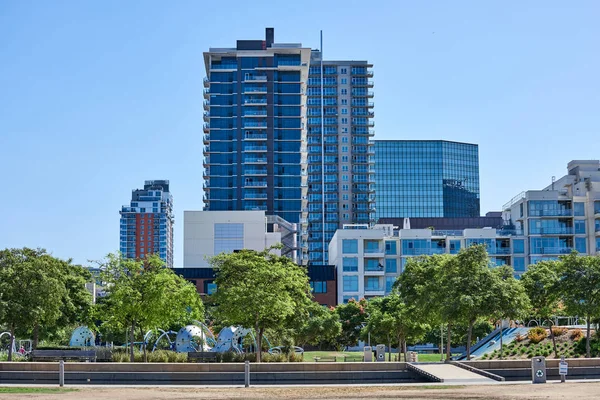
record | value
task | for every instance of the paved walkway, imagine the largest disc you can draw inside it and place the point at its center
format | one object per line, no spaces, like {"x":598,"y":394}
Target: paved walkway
{"x":453,"y":374}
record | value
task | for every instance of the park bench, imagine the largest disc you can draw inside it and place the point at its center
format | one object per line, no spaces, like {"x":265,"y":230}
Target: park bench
{"x":53,"y":355}
{"x":354,"y":358}
{"x":325,"y":359}
{"x":202,"y":356}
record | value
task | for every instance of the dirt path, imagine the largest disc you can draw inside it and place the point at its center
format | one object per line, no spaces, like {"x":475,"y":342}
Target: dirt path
{"x":581,"y":391}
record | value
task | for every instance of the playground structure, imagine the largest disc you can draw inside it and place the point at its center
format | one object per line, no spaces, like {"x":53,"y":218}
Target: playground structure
{"x":24,"y":346}
{"x":191,"y":338}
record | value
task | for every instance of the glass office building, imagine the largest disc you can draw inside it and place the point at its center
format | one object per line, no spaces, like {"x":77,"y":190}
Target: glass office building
{"x":255,"y":128}
{"x":340,"y":155}
{"x":426,"y":178}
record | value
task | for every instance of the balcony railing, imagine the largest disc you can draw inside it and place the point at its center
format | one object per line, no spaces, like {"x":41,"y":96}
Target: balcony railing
{"x":552,"y":250}
{"x":551,"y":231}
{"x":551,"y":213}
{"x":255,"y":184}
{"x":255,"y":101}
{"x":255,"y":148}
{"x":256,"y":136}
{"x":420,"y":252}
{"x":253,"y":124}
{"x":372,"y":251}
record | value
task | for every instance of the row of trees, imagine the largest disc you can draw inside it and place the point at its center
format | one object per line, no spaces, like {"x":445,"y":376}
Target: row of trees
{"x":42,"y":297}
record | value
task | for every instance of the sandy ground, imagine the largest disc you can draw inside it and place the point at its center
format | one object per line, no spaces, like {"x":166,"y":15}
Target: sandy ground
{"x":580,"y":391}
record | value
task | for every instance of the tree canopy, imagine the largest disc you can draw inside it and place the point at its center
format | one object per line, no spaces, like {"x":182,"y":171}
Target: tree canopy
{"x":259,"y":290}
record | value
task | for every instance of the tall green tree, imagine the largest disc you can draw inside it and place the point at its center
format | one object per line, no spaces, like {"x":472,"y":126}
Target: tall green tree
{"x":32,"y":289}
{"x":352,"y":316}
{"x":580,"y":286}
{"x":145,"y":295}
{"x":509,"y":298}
{"x":541,"y":284}
{"x":321,"y":327}
{"x":259,"y":290}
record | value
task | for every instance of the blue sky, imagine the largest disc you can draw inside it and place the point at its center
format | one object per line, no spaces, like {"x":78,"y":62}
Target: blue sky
{"x":98,"y":96}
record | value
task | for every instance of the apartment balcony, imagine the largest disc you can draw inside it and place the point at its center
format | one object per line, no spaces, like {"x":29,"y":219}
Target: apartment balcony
{"x":206,"y":116}
{"x":255,"y":196}
{"x":206,"y":93}
{"x":370,"y":73}
{"x":372,"y":271}
{"x":255,"y":90}
{"x":371,"y":124}
{"x":260,"y":149}
{"x":255,"y":102}
{"x":374,"y":291}
{"x":205,"y":139}
{"x":206,"y":128}
{"x":221,"y":67}
{"x":421,"y":252}
{"x":552,"y":250}
{"x":206,"y":162}
{"x":500,"y":251}
{"x":255,"y":184}
{"x":255,"y":113}
{"x":255,"y":172}
{"x":255,"y":160}
{"x":255,"y":208}
{"x":370,"y":94}
{"x":597,"y":214}
{"x":255,"y":78}
{"x":206,"y":105}
{"x":374,"y":253}
{"x":255,"y":124}
{"x":597,"y":231}
{"x":551,"y":213}
{"x":255,"y":136}
{"x":552,"y":231}
{"x":206,"y":82}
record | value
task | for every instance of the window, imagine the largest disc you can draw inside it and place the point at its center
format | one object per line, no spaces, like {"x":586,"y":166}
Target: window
{"x":344,"y":81}
{"x":350,"y":283}
{"x":372,"y":246}
{"x":344,"y":111}
{"x":344,"y":130}
{"x":372,"y":264}
{"x":346,"y":216}
{"x":391,"y":266}
{"x":345,"y":139}
{"x":344,"y":120}
{"x":345,"y":187}
{"x":344,"y":91}
{"x":345,"y":178}
{"x":350,"y":246}
{"x":344,"y":149}
{"x":344,"y":102}
{"x":390,"y":247}
{"x":580,"y":245}
{"x":343,"y":71}
{"x":579,"y":226}
{"x":350,"y":264}
{"x":579,"y":209}
{"x":211,"y":288}
{"x":372,"y":283}
{"x":344,"y":168}
{"x":319,"y":286}
{"x":519,"y":264}
{"x":454,"y":246}
{"x":518,"y":246}
{"x":345,"y":197}
{"x":228,"y":237}
{"x":344,"y":158}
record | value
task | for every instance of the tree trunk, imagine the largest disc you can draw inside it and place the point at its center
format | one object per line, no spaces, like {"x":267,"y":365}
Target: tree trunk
{"x":144,"y":345}
{"x":404,"y":349}
{"x":588,"y":350}
{"x":501,"y":341}
{"x":400,"y":347}
{"x":259,"y":345}
{"x":469,"y":337}
{"x":36,"y":335}
{"x":449,"y":338}
{"x":550,"y":325}
{"x":11,"y":343}
{"x":131,"y":340}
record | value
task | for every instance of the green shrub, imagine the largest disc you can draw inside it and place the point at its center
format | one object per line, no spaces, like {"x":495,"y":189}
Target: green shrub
{"x":536,"y":335}
{"x":559,"y":330}
{"x":296,"y":357}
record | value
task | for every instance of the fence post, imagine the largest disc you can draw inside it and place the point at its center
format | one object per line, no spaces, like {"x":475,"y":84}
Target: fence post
{"x":61,"y":373}
{"x":247,"y":374}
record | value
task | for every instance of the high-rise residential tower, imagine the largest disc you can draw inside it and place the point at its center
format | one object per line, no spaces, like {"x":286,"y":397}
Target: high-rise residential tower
{"x":341,"y":181}
{"x":147,"y":223}
{"x":255,"y":130}
{"x":426,"y":178}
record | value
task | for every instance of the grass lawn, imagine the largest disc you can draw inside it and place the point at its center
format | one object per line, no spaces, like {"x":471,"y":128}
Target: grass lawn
{"x":34,"y":390}
{"x":309,"y":355}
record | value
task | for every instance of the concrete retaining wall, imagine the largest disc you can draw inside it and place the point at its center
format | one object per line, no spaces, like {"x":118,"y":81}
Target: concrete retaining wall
{"x":207,"y":374}
{"x":512,"y":370}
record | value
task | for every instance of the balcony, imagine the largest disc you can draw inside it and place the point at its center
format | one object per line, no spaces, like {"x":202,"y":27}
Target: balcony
{"x":255,"y":101}
{"x":552,"y":250}
{"x":255,"y":160}
{"x":255,"y":78}
{"x":255,"y":89}
{"x":220,"y":67}
{"x":371,"y":124}
{"x":255,"y":196}
{"x":370,"y":94}
{"x":255,"y":124}
{"x":256,"y":136}
{"x":206,"y":93}
{"x":205,"y":139}
{"x":255,"y":208}
{"x":500,"y":250}
{"x":206,"y":105}
{"x":551,"y":213}
{"x":374,"y":291}
{"x":255,"y":148}
{"x":206,"y":116}
{"x":206,"y":82}
{"x":255,"y":184}
{"x":255,"y":172}
{"x":206,"y":128}
{"x":552,"y":231}
{"x":255,"y":113}
{"x":420,"y":252}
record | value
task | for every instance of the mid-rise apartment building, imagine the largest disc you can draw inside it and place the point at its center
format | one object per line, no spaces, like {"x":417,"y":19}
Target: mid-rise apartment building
{"x":369,"y":260}
{"x":562,"y":217}
{"x":426,"y":178}
{"x":341,"y":182}
{"x":147,"y":223}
